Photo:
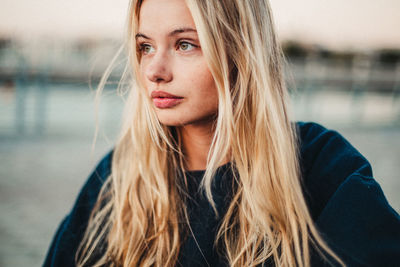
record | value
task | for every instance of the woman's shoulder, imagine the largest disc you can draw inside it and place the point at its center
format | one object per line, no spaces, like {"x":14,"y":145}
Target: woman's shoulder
{"x":70,"y":231}
{"x":323,"y":149}
{"x":327,"y":160}
{"x":345,"y":201}
{"x":94,"y":183}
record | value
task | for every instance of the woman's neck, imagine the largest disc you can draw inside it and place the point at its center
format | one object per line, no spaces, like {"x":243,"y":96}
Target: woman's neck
{"x":196,"y":142}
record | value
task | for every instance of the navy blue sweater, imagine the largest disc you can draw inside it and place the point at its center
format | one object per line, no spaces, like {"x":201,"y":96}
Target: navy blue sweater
{"x":346,"y":203}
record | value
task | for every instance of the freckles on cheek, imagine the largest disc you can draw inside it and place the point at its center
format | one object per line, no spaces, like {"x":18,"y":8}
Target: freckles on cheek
{"x":141,"y":70}
{"x":142,"y":77}
{"x":205,"y":81}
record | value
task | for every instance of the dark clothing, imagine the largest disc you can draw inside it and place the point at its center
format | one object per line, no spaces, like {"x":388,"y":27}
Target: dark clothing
{"x":346,"y":203}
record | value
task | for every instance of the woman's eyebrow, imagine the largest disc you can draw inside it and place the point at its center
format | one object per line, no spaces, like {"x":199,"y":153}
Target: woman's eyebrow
{"x":174,"y":32}
{"x":181,"y":30}
{"x":142,"y":35}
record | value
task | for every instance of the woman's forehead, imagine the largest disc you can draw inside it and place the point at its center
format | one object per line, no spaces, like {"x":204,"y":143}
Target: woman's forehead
{"x":164,"y":16}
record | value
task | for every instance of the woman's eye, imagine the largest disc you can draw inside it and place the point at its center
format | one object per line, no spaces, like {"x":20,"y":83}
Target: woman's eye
{"x":146,"y":49}
{"x":184,"y":46}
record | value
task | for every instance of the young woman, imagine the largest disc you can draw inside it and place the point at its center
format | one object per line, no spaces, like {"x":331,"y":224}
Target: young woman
{"x":209,"y":170}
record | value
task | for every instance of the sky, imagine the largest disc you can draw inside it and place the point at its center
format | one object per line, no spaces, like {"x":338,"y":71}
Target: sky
{"x":354,"y":24}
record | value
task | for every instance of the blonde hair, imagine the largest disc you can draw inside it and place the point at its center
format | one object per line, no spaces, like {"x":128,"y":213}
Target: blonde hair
{"x":139,"y":213}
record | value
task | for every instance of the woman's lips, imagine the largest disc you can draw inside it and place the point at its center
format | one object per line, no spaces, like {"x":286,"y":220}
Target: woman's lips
{"x":163,"y":99}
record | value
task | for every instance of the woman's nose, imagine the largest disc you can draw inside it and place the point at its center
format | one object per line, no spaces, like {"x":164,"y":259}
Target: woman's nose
{"x":159,"y":69}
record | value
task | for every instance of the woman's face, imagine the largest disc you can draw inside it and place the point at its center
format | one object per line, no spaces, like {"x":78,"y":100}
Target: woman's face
{"x":172,"y":65}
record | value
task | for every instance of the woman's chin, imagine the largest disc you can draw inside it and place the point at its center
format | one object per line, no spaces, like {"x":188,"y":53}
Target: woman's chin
{"x":206,"y":121}
{"x":168,"y":120}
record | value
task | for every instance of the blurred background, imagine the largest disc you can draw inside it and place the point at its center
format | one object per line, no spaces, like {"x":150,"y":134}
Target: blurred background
{"x":343,"y":71}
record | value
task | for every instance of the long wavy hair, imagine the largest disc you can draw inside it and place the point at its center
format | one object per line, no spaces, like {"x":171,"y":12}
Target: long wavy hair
{"x":140,"y":217}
